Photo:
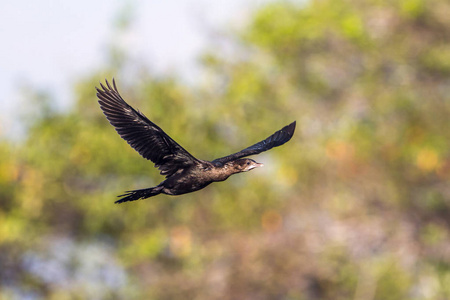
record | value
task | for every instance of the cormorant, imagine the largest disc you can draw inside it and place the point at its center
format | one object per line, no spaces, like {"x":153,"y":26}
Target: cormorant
{"x":184,"y":173}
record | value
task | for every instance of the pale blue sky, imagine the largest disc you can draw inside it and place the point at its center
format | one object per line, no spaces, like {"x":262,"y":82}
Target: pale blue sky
{"x":48,"y":43}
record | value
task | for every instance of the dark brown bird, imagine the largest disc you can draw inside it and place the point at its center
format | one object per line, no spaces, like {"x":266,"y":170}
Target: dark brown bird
{"x":184,"y":173}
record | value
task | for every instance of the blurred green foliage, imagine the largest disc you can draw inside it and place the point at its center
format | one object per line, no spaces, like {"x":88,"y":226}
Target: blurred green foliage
{"x":356,"y":206}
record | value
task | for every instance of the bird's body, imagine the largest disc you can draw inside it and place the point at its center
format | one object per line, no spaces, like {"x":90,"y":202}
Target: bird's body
{"x":184,"y":173}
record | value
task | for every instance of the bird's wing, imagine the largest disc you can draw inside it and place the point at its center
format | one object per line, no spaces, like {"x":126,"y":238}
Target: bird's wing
{"x":143,"y":135}
{"x":277,"y":139}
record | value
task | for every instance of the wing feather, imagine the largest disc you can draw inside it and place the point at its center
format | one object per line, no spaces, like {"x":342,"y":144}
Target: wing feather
{"x":277,"y":139}
{"x":141,"y":134}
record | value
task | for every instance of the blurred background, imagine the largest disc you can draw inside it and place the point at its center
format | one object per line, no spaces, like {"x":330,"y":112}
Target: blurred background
{"x":355,"y":206}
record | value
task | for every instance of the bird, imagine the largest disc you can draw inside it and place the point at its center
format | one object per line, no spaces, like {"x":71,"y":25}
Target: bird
{"x":184,"y":173}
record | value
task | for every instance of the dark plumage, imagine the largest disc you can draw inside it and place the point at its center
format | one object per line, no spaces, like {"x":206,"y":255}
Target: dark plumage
{"x":184,"y":173}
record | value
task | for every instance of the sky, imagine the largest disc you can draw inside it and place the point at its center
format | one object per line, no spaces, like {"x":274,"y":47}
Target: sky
{"x":48,"y":44}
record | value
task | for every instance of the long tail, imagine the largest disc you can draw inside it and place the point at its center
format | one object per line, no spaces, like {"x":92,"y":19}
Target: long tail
{"x":140,"y":194}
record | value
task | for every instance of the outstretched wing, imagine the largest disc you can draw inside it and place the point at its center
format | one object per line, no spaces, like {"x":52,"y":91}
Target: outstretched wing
{"x":144,"y":136}
{"x":277,"y":139}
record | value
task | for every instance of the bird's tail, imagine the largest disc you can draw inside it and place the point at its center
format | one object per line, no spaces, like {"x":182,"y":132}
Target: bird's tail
{"x":140,"y":194}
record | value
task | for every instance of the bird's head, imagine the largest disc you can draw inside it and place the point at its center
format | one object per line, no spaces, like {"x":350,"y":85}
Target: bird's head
{"x":246,"y":164}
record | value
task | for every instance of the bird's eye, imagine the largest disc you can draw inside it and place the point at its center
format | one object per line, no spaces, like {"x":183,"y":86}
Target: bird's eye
{"x":248,"y":163}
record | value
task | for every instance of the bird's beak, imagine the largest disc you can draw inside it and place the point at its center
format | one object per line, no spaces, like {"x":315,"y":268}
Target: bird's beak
{"x":257,"y":165}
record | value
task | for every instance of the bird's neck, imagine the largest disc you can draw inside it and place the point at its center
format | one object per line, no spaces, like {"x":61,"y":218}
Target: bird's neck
{"x":222,"y":173}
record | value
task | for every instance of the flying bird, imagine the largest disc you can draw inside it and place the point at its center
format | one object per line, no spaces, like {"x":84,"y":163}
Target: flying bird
{"x":184,"y":173}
